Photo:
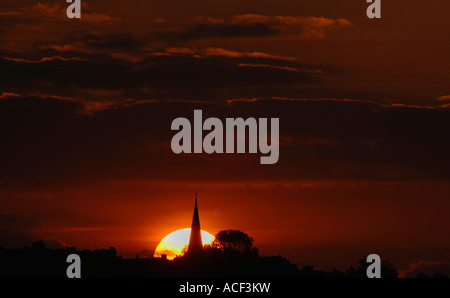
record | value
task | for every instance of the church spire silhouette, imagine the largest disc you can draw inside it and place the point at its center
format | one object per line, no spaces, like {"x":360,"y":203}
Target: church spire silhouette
{"x":195,"y":239}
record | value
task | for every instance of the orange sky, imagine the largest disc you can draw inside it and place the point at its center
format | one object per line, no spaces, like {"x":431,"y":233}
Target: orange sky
{"x":86,"y":107}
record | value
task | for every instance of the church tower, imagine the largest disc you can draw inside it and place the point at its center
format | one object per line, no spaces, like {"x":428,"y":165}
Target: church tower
{"x":195,"y":239}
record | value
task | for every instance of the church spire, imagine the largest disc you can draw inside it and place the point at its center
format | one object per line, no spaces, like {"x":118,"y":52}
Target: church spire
{"x":195,"y":239}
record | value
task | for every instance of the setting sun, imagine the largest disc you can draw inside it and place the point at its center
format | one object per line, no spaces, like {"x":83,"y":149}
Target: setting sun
{"x":172,"y":245}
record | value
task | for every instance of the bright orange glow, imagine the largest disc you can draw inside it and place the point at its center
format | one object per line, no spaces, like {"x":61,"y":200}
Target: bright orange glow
{"x":173,"y":244}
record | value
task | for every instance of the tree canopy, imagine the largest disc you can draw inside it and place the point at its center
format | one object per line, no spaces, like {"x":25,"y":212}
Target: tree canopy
{"x":234,"y":241}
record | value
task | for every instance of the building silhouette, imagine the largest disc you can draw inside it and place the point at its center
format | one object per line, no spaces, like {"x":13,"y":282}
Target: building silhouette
{"x":195,"y":240}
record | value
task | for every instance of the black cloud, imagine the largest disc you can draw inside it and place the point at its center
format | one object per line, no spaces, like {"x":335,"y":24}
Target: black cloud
{"x":172,"y":76}
{"x":48,"y":141}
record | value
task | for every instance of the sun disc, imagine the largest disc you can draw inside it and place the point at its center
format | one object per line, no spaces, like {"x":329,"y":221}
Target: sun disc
{"x":173,"y":244}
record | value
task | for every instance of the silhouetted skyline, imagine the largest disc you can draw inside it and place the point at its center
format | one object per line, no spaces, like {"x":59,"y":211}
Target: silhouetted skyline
{"x":86,"y":108}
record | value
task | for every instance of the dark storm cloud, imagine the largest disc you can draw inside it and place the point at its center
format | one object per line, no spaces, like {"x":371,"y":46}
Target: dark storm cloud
{"x":59,"y":72}
{"x":201,"y":31}
{"x":113,"y":41}
{"x":28,"y":26}
{"x":49,"y":141}
{"x":252,"y":26}
{"x":118,"y":57}
{"x":174,"y":76}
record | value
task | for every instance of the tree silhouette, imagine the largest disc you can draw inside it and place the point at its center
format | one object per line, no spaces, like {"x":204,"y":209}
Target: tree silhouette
{"x":38,"y":245}
{"x":438,"y":274}
{"x":387,"y":269}
{"x":234,"y":242}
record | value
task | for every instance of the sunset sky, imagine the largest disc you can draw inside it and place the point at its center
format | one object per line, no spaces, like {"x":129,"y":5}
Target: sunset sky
{"x":364,"y":106}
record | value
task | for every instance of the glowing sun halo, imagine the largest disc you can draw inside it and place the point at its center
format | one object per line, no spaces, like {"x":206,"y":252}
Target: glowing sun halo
{"x":172,"y":245}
